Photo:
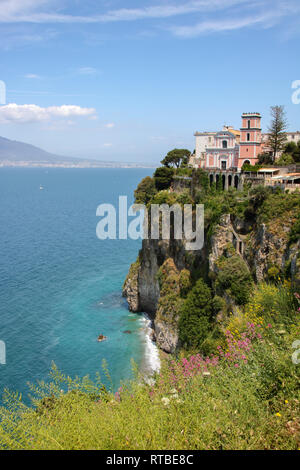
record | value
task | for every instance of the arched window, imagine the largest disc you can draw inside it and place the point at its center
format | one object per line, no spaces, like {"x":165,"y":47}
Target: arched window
{"x":249,"y":124}
{"x":224,"y":144}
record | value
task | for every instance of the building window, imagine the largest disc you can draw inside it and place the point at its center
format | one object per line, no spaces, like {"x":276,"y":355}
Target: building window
{"x":223,"y":165}
{"x":248,"y":136}
{"x":249,"y":124}
{"x":224,"y":144}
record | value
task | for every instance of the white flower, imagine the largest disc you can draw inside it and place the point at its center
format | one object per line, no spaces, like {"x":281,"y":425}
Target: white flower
{"x":206,"y":373}
{"x":165,"y":401}
{"x":173,"y":391}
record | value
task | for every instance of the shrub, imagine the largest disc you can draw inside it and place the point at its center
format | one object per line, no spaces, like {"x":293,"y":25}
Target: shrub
{"x":184,"y":198}
{"x":184,"y":171}
{"x":173,"y":284}
{"x":200,"y":177}
{"x":145,"y":191}
{"x":234,"y":277}
{"x":285,"y":159}
{"x":251,"y":168}
{"x":271,"y":303}
{"x":273,"y":272}
{"x":163,"y":177}
{"x":295,"y":231}
{"x":164,"y":197}
{"x":196,"y":315}
{"x":184,"y":282}
{"x":278,"y":204}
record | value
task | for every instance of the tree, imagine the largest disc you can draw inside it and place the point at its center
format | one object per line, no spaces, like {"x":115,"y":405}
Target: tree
{"x":293,"y":149}
{"x":285,"y":159}
{"x":145,"y":191}
{"x":235,"y":278}
{"x":163,"y":177}
{"x":176,"y":158}
{"x":276,"y":130}
{"x":296,"y":154}
{"x":265,"y":158}
{"x":195,"y":316}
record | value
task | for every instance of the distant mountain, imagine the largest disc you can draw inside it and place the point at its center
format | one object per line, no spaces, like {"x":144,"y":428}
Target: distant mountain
{"x":14,"y":153}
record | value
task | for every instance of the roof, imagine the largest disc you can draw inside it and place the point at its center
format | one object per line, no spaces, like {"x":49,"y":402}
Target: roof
{"x":289,"y":176}
{"x":268,"y":170}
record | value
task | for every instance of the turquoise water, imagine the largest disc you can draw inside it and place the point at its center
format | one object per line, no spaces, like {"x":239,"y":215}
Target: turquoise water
{"x":60,"y":286}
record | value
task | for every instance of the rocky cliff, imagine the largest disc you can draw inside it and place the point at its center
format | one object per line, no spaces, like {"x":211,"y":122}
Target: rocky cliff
{"x":264,"y":249}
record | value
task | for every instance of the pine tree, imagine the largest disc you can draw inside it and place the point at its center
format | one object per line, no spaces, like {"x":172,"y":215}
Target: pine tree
{"x":276,"y":130}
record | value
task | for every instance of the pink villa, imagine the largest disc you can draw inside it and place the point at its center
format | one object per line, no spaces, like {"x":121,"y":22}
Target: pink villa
{"x":229,"y":149}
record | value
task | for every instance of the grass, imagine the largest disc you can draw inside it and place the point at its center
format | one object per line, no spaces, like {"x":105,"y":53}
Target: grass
{"x":245,"y":396}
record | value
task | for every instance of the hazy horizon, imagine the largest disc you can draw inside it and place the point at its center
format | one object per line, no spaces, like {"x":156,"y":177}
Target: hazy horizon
{"x":128,"y":82}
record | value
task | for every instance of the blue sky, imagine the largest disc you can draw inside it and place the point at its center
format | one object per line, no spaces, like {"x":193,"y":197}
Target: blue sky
{"x":130,"y":80}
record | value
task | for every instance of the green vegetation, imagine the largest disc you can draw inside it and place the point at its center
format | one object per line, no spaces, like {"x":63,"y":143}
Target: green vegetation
{"x":145,"y":191}
{"x":234,"y":278}
{"x":163,"y":177}
{"x":276,"y":131}
{"x":294,"y":235}
{"x":184,"y":171}
{"x":291,"y":152}
{"x":276,"y":204}
{"x":285,"y":159}
{"x":176,"y":158}
{"x":232,"y":384}
{"x":251,"y":168}
{"x":195,"y":316}
{"x":174,"y":285}
{"x":245,"y":396}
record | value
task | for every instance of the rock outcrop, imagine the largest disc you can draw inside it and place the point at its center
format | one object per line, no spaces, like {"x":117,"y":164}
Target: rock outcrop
{"x":260,"y":246}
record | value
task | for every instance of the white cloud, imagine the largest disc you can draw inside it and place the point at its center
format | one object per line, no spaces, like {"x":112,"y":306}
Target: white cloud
{"x":236,"y":14}
{"x":32,"y":76}
{"x":266,"y":18}
{"x":110,"y":125}
{"x":28,"y":11}
{"x":107,"y":145}
{"x":87,"y":71}
{"x":25,"y":113}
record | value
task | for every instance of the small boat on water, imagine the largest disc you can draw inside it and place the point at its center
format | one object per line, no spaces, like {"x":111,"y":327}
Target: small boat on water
{"x":102,"y":338}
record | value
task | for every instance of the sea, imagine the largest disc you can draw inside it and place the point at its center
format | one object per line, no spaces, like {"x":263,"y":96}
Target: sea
{"x":60,"y":286}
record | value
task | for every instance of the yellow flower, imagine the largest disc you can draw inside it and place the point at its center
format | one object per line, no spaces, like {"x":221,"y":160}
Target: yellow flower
{"x":278,"y":414}
{"x":286,"y":401}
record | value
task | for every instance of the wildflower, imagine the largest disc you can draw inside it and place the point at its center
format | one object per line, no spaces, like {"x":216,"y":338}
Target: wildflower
{"x":286,"y":402}
{"x":278,"y":414}
{"x":165,"y":401}
{"x":206,"y":373}
{"x":173,"y":391}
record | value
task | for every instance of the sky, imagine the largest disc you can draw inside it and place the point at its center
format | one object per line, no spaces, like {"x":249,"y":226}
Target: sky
{"x":128,"y":80}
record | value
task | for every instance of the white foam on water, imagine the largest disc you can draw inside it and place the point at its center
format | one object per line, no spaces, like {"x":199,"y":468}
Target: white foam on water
{"x":152,"y":359}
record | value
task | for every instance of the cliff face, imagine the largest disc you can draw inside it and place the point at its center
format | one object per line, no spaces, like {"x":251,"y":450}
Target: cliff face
{"x":261,"y":247}
{"x":142,"y":288}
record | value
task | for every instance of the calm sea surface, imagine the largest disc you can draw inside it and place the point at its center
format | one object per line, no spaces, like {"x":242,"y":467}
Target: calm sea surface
{"x":60,"y":287}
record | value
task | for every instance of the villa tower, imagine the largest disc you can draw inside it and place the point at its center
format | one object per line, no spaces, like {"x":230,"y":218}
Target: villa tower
{"x":250,"y":142}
